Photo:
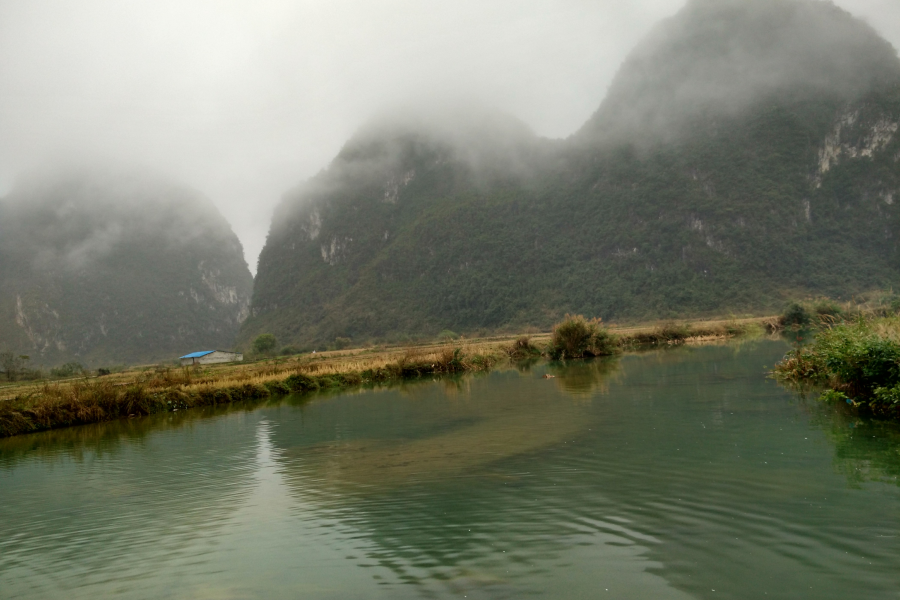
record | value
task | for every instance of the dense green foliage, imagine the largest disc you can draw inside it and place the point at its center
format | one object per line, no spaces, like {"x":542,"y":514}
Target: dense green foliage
{"x":111,"y":268}
{"x":859,"y":361}
{"x":475,"y":225}
{"x":264,"y":343}
{"x":796,"y":315}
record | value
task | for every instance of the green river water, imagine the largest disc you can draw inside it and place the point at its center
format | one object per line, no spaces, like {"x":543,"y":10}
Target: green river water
{"x":682,"y":473}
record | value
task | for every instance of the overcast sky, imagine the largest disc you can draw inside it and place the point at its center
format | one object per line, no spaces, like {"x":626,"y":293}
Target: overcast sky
{"x":244,"y":99}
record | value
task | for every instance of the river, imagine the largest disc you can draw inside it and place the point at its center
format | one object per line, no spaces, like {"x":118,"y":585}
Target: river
{"x":679,"y":473}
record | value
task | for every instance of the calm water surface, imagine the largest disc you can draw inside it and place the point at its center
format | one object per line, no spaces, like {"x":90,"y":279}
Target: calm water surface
{"x":674,"y":474}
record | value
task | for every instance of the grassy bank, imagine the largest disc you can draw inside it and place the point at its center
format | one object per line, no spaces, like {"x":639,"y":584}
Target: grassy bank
{"x":854,"y":355}
{"x":30,"y":407}
{"x":857,"y":362}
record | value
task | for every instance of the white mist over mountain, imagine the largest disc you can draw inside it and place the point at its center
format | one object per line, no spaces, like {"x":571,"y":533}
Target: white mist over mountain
{"x":242,"y":100}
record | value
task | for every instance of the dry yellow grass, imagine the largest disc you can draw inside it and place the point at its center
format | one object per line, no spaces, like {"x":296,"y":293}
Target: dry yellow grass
{"x":43,"y":405}
{"x":887,"y":328}
{"x":330,"y":363}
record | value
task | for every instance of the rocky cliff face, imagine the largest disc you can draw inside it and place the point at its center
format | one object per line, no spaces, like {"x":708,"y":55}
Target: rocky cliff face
{"x":748,"y":152}
{"x":116,"y":267}
{"x":330,"y":233}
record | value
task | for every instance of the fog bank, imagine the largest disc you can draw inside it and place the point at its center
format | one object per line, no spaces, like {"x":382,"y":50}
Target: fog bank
{"x":243,"y":100}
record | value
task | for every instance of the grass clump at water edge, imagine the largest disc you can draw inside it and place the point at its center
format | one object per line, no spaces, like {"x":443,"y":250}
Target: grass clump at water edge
{"x":522,"y":349}
{"x":857,"y":362}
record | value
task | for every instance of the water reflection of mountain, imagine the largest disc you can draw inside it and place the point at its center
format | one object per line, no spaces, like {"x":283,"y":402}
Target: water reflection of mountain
{"x":690,"y":460}
{"x":458,"y":428}
{"x":677,"y":471}
{"x":444,"y":484}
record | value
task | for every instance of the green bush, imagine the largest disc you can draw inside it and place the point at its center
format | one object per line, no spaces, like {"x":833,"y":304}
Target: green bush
{"x":215,"y":396}
{"x":860,"y":361}
{"x":833,"y":396}
{"x":828,"y":310}
{"x":859,"y":358}
{"x":796,"y":315}
{"x":577,"y":337}
{"x":253,"y":391}
{"x":888,"y":395}
{"x":264,"y":343}
{"x":301,"y":383}
{"x":277,"y":387}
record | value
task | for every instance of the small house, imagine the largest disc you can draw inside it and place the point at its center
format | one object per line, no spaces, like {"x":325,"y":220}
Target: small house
{"x":208,"y":357}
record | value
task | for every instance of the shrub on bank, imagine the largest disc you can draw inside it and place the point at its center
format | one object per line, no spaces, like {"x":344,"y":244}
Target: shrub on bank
{"x":299,"y":383}
{"x":797,"y":316}
{"x":522,"y":349}
{"x":577,"y":337}
{"x":858,"y":361}
{"x":823,"y":311}
{"x":264,"y":344}
{"x":673,"y":333}
{"x":828,"y":311}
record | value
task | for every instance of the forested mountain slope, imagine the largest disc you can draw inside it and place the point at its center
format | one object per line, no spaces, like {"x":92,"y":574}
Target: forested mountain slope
{"x":746,"y":153}
{"x":116,"y":266}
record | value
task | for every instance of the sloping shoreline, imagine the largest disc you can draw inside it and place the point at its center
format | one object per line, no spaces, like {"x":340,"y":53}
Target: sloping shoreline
{"x":140,"y":392}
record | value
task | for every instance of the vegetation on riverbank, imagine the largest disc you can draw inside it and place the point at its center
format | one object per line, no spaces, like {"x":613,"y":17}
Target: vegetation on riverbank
{"x":49,"y":405}
{"x":824,"y":312}
{"x":577,"y":337}
{"x":857,"y":361}
{"x":90,"y":401}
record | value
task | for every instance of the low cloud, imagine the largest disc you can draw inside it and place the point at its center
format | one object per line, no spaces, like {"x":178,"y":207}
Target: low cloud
{"x":244,"y":100}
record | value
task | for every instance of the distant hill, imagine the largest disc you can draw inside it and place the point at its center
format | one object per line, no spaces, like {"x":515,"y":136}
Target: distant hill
{"x":113,"y":267}
{"x":747,"y":153}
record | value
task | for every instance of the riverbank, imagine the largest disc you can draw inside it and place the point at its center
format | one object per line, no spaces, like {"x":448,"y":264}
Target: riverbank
{"x":31,"y":407}
{"x":856,"y":362}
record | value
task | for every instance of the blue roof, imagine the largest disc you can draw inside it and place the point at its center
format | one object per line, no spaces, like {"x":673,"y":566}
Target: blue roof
{"x":198,"y":354}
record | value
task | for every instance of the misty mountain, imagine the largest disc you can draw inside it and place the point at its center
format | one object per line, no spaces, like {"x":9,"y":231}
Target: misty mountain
{"x":747,"y":153}
{"x":116,"y":266}
{"x":720,"y":58}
